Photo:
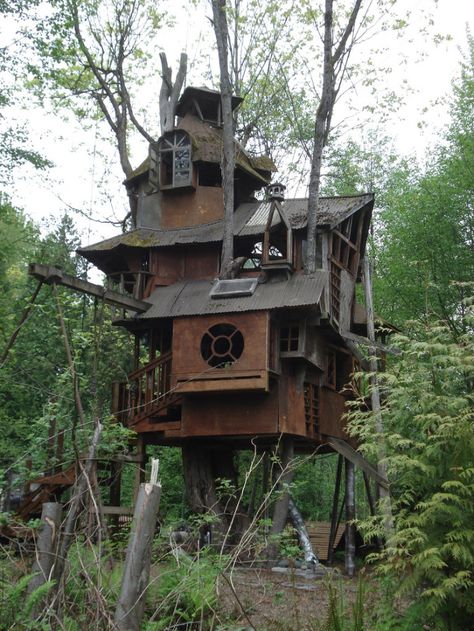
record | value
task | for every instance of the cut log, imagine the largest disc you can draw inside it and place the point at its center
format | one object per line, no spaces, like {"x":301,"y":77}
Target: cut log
{"x":45,"y":553}
{"x":131,"y":603}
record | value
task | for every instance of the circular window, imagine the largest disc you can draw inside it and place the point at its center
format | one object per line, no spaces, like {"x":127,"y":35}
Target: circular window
{"x":222,"y":345}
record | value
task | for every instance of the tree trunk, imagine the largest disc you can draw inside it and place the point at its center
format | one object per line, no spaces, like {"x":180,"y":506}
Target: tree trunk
{"x":131,"y":603}
{"x":300,"y":527}
{"x":334,"y":68}
{"x":280,"y":509}
{"x":228,"y":154}
{"x":45,"y":549}
{"x":350,"y":516}
{"x":169,"y":93}
{"x":375,"y":398}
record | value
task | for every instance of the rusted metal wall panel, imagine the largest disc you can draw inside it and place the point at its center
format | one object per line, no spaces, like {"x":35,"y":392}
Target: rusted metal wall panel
{"x":188,"y":333}
{"x":332,"y":408}
{"x":230,"y":414}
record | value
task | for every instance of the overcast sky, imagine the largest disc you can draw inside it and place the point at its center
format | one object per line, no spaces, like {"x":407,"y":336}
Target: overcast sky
{"x":78,"y":154}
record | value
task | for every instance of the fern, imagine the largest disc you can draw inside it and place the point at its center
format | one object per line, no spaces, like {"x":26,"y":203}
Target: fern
{"x":428,"y":417}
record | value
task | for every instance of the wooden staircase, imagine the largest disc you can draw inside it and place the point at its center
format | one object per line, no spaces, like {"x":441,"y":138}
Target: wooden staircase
{"x":147,"y":394}
{"x":318,"y":532}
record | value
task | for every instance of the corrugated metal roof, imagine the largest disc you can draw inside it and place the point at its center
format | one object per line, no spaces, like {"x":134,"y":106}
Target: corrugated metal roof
{"x":190,"y":298}
{"x":249,"y":220}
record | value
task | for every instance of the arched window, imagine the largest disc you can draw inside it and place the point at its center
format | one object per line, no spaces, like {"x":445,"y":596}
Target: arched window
{"x":170,"y":161}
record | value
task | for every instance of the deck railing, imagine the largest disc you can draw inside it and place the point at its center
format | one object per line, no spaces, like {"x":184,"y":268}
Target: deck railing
{"x":146,"y":393}
{"x":132,"y":283}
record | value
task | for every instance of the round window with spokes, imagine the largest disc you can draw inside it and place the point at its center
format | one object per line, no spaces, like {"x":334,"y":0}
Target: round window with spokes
{"x":222,"y":345}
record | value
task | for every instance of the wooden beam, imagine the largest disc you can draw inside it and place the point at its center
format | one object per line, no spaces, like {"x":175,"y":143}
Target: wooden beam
{"x":364,"y":341}
{"x":54,"y":275}
{"x":354,"y":456}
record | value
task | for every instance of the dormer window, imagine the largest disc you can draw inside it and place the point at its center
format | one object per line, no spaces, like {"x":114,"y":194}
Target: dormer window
{"x":170,"y":161}
{"x":277,"y":238}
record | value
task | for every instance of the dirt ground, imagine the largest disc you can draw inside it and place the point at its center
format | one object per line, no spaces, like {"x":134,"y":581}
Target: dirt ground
{"x":286,"y":601}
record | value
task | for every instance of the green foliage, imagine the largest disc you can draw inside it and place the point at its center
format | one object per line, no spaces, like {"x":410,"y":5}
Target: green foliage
{"x":185,"y":591}
{"x":338,"y":616}
{"x":428,"y":415}
{"x":16,"y":610}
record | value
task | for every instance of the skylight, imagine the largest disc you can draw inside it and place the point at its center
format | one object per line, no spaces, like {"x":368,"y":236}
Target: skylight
{"x":234,"y":288}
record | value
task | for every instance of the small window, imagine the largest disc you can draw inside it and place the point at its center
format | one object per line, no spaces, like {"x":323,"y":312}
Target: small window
{"x":222,"y":345}
{"x":289,"y":338}
{"x":170,"y":160}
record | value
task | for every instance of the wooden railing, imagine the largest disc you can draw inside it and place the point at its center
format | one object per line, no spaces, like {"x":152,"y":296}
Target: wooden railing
{"x":146,"y":393}
{"x":131,"y":283}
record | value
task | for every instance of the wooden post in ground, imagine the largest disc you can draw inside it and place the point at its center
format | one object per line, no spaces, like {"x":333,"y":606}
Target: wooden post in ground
{"x":335,"y":510}
{"x":141,"y":464}
{"x":350,"y":516}
{"x":131,"y":603}
{"x":45,"y":548}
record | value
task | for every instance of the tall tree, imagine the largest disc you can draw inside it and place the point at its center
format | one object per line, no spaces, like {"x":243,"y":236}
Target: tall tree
{"x":335,"y":59}
{"x":221,"y":30}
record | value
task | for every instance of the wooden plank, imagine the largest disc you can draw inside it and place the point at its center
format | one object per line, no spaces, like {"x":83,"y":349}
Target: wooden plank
{"x":354,"y":456}
{"x":364,"y":341}
{"x":116,"y":510}
{"x":54,"y":275}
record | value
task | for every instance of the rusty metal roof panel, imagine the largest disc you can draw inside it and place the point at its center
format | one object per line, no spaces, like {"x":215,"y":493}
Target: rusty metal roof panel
{"x":146,"y":238}
{"x":192,"y":298}
{"x":332,"y":210}
{"x":249,"y":220}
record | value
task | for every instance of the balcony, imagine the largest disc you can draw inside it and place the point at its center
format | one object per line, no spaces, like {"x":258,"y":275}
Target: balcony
{"x":147,"y":395}
{"x":131,"y":283}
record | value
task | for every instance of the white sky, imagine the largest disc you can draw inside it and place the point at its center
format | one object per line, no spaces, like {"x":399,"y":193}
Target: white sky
{"x":79,"y":165}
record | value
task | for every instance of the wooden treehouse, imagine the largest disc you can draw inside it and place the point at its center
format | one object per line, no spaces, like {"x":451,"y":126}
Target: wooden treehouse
{"x":242,"y":356}
{"x":260,"y":354}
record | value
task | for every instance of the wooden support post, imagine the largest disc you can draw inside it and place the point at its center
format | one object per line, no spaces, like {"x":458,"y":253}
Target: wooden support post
{"x":370,"y":499}
{"x":131,"y":603}
{"x":115,"y":487}
{"x":265,"y":482}
{"x":59,"y":451}
{"x":350,"y":516}
{"x":375,"y":397}
{"x":50,"y":448}
{"x":141,"y":464}
{"x":335,"y":510}
{"x":45,"y":548}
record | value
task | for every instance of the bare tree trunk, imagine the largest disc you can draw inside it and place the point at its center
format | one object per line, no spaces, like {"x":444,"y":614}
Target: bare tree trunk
{"x":82,"y":485}
{"x":131,"y":603}
{"x":334,"y":68}
{"x":45,"y":548}
{"x":310,"y":556}
{"x":280,"y":510}
{"x":350,"y":516}
{"x":228,"y":154}
{"x":169,"y":93}
{"x":375,"y":398}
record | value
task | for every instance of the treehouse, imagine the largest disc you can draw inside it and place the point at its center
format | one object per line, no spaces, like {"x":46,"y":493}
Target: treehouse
{"x":248,"y":353}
